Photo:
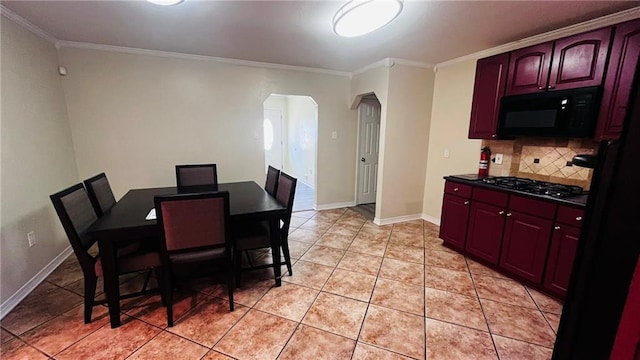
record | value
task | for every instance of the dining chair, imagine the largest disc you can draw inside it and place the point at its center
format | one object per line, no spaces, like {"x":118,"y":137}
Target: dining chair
{"x":196,"y":175}
{"x":100,"y":193}
{"x":195,"y":229}
{"x":256,"y":235}
{"x":271,"y":185}
{"x":76,"y":214}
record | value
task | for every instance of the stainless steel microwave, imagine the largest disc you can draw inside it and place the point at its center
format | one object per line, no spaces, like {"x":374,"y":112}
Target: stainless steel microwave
{"x":563,"y":113}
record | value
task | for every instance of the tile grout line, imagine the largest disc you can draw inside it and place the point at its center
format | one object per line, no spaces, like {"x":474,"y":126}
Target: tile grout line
{"x":540,"y":309}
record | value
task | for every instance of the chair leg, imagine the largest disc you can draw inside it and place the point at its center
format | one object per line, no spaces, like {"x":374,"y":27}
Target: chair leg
{"x":169,"y":298}
{"x":237,"y":260}
{"x":146,"y":280}
{"x":160,"y":280}
{"x":90,"y":283}
{"x":287,"y":257}
{"x":230,"y":284}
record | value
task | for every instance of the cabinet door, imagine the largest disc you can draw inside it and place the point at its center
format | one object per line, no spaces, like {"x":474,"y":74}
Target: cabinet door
{"x":484,"y":236}
{"x":488,"y":89}
{"x":560,"y":261}
{"x":579,"y":60}
{"x":617,"y":86}
{"x":529,"y":69}
{"x":454,"y":220}
{"x":524,"y":245}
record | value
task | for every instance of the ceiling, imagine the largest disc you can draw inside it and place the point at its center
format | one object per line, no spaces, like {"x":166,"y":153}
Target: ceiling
{"x":299,"y":33}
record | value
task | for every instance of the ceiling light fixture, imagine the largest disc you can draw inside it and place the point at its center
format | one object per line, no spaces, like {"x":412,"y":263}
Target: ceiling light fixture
{"x":359,"y":17}
{"x":165,"y":2}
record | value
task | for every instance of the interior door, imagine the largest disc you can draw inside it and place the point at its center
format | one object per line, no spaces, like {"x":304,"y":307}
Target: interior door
{"x":272,"y":138}
{"x":369,"y":120}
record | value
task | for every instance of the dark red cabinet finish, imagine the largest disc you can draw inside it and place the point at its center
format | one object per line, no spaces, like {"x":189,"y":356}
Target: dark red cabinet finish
{"x":625,"y":52}
{"x":529,"y":69}
{"x":567,"y":63}
{"x":524,"y":245}
{"x":454,"y":220}
{"x":579,"y":60}
{"x":484,"y":237}
{"x":560,"y":261}
{"x":491,"y":76}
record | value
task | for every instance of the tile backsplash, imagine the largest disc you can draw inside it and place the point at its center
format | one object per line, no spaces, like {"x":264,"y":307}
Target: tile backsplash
{"x":542,"y":159}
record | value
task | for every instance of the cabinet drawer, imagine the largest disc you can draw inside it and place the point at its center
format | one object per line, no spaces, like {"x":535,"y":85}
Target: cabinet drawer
{"x":457,"y":189}
{"x":570,"y":216}
{"x":496,"y":198}
{"x":529,"y":206}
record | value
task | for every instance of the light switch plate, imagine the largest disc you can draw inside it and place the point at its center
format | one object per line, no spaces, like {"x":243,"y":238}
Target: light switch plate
{"x":498,"y":159}
{"x":334,"y":134}
{"x":446,"y":153}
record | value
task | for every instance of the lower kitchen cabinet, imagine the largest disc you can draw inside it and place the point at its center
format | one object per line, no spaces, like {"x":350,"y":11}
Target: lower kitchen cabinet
{"x":454,"y":220}
{"x":484,"y":237}
{"x":560,"y":261}
{"x":524,"y":245}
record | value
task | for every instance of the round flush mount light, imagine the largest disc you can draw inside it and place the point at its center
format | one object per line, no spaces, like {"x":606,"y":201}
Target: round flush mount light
{"x":165,"y":2}
{"x":359,"y":17}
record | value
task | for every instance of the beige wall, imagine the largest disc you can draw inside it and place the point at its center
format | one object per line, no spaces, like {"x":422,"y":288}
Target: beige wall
{"x":405,"y":94}
{"x":136,"y":116}
{"x":301,"y":133}
{"x":406,"y":139}
{"x":37,"y":155}
{"x":449,"y":130}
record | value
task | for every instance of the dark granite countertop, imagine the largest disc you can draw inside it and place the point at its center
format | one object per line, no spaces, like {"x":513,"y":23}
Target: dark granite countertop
{"x":475,"y":180}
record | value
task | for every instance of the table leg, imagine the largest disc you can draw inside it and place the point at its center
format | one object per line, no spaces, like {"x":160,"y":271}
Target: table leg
{"x":110,"y":277}
{"x":274,"y":230}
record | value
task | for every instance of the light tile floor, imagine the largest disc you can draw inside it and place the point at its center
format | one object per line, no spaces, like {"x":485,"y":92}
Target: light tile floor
{"x":358,"y":291}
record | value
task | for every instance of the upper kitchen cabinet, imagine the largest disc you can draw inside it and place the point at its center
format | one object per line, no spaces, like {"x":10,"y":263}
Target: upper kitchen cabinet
{"x":491,"y":76}
{"x":567,"y":63}
{"x":617,"y":86}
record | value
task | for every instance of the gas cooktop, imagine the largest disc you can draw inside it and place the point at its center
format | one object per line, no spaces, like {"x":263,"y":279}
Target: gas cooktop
{"x":534,"y":186}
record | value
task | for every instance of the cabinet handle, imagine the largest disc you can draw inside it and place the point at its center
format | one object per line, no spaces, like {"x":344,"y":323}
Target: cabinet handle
{"x":456,"y":189}
{"x":541,"y":88}
{"x":466,"y":203}
{"x":494,"y":135}
{"x":579,"y":218}
{"x":550,"y":87}
{"x":508,"y":214}
{"x":557,"y":227}
{"x":501,"y":212}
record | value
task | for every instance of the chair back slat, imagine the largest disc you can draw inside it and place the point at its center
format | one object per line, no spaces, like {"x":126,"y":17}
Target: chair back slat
{"x":271,"y":185}
{"x":196,"y":175}
{"x":100,"y":193}
{"x":194,"y":221}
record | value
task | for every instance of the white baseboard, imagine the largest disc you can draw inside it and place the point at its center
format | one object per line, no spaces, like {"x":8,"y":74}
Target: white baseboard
{"x":396,"y":219}
{"x":431,"y":219}
{"x":27,"y":288}
{"x":335,"y":205}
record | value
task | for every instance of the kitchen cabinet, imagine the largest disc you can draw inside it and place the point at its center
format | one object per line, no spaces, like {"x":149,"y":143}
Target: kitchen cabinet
{"x":564,"y":242}
{"x":623,"y":60}
{"x":567,"y":63}
{"x":488,"y":89}
{"x":454,"y":220}
{"x":486,"y":223}
{"x":524,"y":245}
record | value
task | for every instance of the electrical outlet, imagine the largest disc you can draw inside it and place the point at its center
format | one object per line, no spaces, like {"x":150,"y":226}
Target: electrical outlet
{"x":498,"y":159}
{"x":334,"y":134}
{"x":31,"y":238}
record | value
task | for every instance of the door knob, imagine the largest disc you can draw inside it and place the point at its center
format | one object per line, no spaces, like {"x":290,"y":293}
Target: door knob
{"x":361,"y":159}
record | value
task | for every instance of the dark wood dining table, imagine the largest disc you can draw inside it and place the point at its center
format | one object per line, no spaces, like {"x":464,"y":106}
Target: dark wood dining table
{"x":125,"y":222}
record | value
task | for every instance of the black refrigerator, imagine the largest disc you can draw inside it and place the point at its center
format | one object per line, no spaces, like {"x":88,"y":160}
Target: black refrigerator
{"x":608,"y":249}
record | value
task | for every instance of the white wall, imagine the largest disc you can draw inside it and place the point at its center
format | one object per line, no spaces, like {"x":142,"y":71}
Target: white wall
{"x":136,"y":116}
{"x":449,"y":130}
{"x":37,"y":155}
{"x":301,"y":133}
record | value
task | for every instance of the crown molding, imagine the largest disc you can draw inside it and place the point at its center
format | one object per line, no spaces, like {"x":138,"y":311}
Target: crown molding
{"x":622,"y":16}
{"x":175,"y":55}
{"x":389,"y":62}
{"x":6,"y":12}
